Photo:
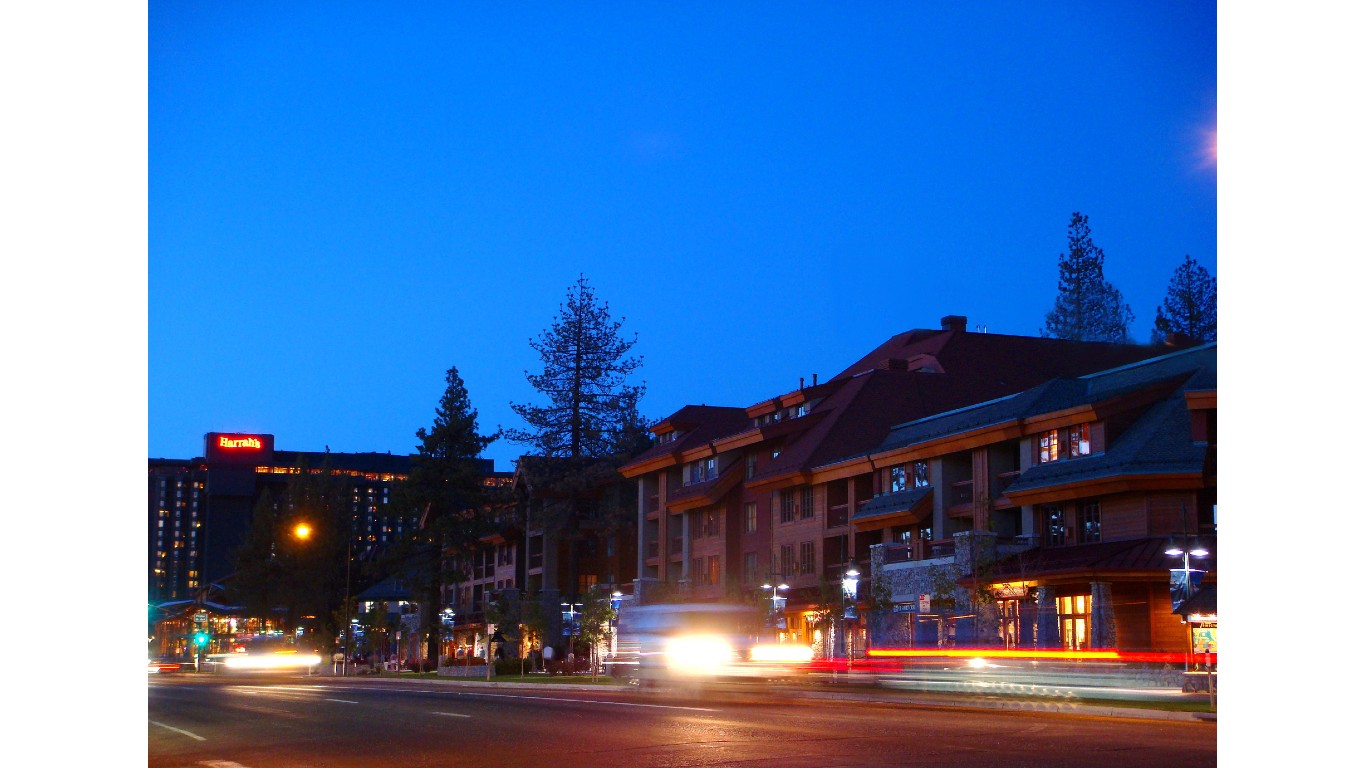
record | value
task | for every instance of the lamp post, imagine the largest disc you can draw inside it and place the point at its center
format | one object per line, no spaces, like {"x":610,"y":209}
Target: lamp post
{"x":303,"y":531}
{"x":1185,"y":546}
{"x":850,"y":593}
{"x":777,"y":601}
{"x":568,"y":615}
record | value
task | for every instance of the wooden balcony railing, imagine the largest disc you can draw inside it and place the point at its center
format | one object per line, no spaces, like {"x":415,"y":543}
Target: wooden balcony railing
{"x":917,"y":549}
{"x":837,"y":516}
{"x":960,"y":493}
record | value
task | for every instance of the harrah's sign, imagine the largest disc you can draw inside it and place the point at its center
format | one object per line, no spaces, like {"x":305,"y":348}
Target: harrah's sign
{"x":253,"y":443}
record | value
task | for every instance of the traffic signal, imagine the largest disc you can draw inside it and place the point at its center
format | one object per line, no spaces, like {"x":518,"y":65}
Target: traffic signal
{"x":201,"y":639}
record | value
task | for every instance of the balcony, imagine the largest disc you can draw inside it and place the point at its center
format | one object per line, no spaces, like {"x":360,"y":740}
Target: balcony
{"x":960,"y":493}
{"x":837,"y":516}
{"x":652,"y":548}
{"x":917,"y":550}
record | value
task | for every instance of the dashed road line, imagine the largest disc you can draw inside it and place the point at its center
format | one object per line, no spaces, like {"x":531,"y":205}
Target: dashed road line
{"x":450,"y":714}
{"x":194,"y":736}
{"x":342,"y":701}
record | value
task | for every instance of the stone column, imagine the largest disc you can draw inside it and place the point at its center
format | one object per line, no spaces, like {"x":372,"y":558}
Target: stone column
{"x":1047,"y":632}
{"x":1102,"y":623}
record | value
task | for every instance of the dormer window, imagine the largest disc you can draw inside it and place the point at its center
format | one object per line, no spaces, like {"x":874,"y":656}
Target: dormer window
{"x":1048,"y":446}
{"x":1079,"y":441}
{"x":668,"y":437}
{"x":1071,"y":443}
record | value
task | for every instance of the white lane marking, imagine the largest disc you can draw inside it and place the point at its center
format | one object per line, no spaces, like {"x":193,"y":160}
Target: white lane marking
{"x":195,"y":736}
{"x":499,"y":695}
{"x":582,"y":701}
{"x":450,"y":714}
{"x":221,"y":764}
{"x":342,"y":701}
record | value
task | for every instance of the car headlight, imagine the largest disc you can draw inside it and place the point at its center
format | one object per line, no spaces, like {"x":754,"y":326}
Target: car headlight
{"x":698,"y":654}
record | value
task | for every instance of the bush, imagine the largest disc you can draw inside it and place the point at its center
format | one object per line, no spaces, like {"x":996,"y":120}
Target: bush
{"x":507,"y":667}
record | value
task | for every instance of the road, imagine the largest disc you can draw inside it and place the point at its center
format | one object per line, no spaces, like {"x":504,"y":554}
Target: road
{"x":295,"y":721}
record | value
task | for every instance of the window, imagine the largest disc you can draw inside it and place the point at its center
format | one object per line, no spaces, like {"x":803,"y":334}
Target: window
{"x":751,"y":517}
{"x":1090,"y":521}
{"x":898,"y":482}
{"x":785,"y":561}
{"x":1079,"y":441}
{"x":751,"y":560}
{"x":922,"y":474}
{"x":711,"y":522}
{"x":1055,"y":525}
{"x":713,"y":575}
{"x":1072,"y":616}
{"x":776,"y":452}
{"x":1048,"y":446}
{"x":697,"y":574}
{"x":751,"y":461}
{"x":785,"y":506}
{"x":700,"y":471}
{"x":808,"y":503}
{"x":808,"y":557}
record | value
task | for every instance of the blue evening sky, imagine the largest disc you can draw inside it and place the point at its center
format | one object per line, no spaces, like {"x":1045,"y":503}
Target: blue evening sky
{"x":344,"y":200}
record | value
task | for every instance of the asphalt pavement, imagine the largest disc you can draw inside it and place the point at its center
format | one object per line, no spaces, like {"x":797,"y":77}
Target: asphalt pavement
{"x":852,"y":690}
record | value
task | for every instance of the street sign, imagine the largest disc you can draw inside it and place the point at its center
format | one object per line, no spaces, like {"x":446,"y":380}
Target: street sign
{"x":924,"y":603}
{"x":201,"y":618}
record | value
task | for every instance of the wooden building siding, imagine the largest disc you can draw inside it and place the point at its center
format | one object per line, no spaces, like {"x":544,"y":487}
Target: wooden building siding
{"x":1123,"y":517}
{"x":1164,"y":513}
{"x":1168,"y":633}
{"x":1133,"y":616}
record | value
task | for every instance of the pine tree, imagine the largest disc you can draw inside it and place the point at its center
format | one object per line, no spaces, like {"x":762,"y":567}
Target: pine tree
{"x":1190,"y":308}
{"x":579,"y":438}
{"x":445,"y":487}
{"x":1088,"y":308}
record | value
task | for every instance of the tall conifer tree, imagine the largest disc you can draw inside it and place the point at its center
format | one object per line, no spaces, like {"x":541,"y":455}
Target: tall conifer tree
{"x":589,"y":422}
{"x":445,"y":488}
{"x":1190,"y":307}
{"x":1088,"y":308}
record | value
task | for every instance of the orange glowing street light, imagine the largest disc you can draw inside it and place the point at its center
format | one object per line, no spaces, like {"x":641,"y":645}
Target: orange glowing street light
{"x":302,"y":531}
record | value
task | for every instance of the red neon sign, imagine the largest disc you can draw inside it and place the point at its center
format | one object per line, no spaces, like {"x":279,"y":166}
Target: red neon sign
{"x":239,"y":442}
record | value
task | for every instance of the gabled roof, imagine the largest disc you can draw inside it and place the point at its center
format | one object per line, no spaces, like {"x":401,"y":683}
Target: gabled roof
{"x":1178,"y":371}
{"x":1157,"y":443}
{"x":697,"y":426}
{"x":1036,"y":358}
{"x":912,"y":375}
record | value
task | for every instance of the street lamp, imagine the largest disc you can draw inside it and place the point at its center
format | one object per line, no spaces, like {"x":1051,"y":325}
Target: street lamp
{"x":778,"y":602}
{"x":850,"y":593}
{"x":303,"y":531}
{"x":1185,"y":546}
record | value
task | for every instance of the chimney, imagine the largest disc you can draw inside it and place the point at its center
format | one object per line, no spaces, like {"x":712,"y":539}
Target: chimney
{"x":813,"y":379}
{"x":954,"y":323}
{"x":801,"y":382}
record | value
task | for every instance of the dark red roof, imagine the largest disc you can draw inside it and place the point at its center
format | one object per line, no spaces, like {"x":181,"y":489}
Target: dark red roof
{"x":696,"y":425}
{"x":1137,"y":556}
